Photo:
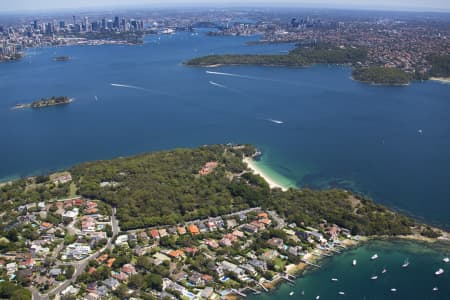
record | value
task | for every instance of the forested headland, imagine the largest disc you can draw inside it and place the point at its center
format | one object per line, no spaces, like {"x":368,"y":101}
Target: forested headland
{"x":299,"y":57}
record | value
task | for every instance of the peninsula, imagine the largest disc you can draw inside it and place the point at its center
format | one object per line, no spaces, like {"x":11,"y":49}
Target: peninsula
{"x":45,"y":102}
{"x":181,"y":222}
{"x":299,"y":57}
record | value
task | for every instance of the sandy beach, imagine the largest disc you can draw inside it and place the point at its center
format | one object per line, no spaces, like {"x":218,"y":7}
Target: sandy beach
{"x":272,"y":183}
{"x":441,"y":79}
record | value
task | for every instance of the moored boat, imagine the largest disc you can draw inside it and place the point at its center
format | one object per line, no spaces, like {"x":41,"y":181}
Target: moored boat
{"x":439,"y":272}
{"x":375,"y":256}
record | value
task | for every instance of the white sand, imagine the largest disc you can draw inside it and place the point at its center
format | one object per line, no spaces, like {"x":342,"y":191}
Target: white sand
{"x":441,"y":79}
{"x":272,"y":183}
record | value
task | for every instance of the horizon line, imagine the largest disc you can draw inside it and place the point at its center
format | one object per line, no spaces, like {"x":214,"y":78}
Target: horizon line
{"x":104,"y":8}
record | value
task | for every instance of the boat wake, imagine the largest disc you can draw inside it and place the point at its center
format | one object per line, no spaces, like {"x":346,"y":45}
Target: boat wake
{"x":275,"y":121}
{"x":217,"y":84}
{"x":128,"y":86}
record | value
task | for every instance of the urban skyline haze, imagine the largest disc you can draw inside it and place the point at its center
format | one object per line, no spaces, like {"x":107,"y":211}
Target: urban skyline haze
{"x":45,"y":5}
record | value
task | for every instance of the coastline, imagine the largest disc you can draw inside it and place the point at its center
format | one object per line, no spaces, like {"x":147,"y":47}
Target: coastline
{"x":273,"y":183}
{"x":445,"y":80}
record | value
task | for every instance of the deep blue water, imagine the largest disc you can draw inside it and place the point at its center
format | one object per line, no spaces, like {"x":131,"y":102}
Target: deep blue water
{"x":336,"y":132}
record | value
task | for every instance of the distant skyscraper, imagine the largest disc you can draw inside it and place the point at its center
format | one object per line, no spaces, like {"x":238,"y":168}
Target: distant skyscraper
{"x":74,"y":20}
{"x":86,"y":24}
{"x":123,"y":25}
{"x":62,"y":24}
{"x":116,"y":22}
{"x":103,"y":23}
{"x":35,"y":25}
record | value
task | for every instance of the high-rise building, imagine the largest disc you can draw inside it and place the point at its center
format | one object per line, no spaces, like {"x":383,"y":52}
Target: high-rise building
{"x":74,"y":20}
{"x":103,"y":23}
{"x":62,"y":24}
{"x":86,"y":24}
{"x":116,"y":22}
{"x":35,"y":25}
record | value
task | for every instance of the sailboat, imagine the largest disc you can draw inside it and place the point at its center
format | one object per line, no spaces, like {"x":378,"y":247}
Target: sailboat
{"x":383,"y":271}
{"x":291,"y":293}
{"x":341,"y":293}
{"x":405,"y":263}
{"x":446,"y":259}
{"x":317,"y":297}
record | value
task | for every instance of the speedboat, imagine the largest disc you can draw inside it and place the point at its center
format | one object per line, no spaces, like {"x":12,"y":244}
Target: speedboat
{"x":354,"y":262}
{"x":334,"y":279}
{"x":393,"y":290}
{"x":405,"y":263}
{"x":446,"y":259}
{"x":375,"y":256}
{"x":374,"y":277}
{"x":439,"y":272}
{"x":341,"y":293}
{"x":435,"y":289}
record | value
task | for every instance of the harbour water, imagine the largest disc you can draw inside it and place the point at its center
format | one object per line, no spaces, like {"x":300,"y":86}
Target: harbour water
{"x":413,"y":282}
{"x":390,"y":143}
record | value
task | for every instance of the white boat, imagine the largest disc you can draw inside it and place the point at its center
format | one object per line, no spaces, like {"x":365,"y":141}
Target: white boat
{"x":374,"y":277}
{"x":435,"y":289}
{"x":393,"y":290}
{"x":354,"y":262}
{"x":420,"y":131}
{"x":405,"y":264}
{"x":439,"y":272}
{"x":318,"y":297}
{"x":383,"y":271}
{"x":291,"y":293}
{"x":334,"y":279}
{"x":446,"y":259}
{"x":341,"y":293}
{"x":375,"y":256}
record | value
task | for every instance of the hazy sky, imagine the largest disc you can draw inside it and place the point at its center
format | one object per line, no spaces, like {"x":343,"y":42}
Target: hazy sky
{"x":421,"y":5}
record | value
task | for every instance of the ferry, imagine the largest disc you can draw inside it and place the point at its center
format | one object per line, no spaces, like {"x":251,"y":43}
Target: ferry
{"x":375,"y":256}
{"x":374,"y":277}
{"x":446,"y":260}
{"x":439,"y":272}
{"x":354,"y":262}
{"x":393,"y":290}
{"x":405,"y":264}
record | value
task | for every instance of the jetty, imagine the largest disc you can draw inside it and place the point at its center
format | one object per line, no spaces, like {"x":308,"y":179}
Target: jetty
{"x":310,"y":263}
{"x":238,"y":293}
{"x":263,"y":287}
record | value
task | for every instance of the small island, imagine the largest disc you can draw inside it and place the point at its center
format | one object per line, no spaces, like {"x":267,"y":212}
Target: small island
{"x":45,"y":102}
{"x":62,"y":58}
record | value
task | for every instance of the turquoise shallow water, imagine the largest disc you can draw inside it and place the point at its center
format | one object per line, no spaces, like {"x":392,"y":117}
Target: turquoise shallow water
{"x":414,"y":282}
{"x":336,"y":132}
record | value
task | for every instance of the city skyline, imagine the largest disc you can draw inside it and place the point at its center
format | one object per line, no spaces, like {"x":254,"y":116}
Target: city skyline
{"x":402,"y":5}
